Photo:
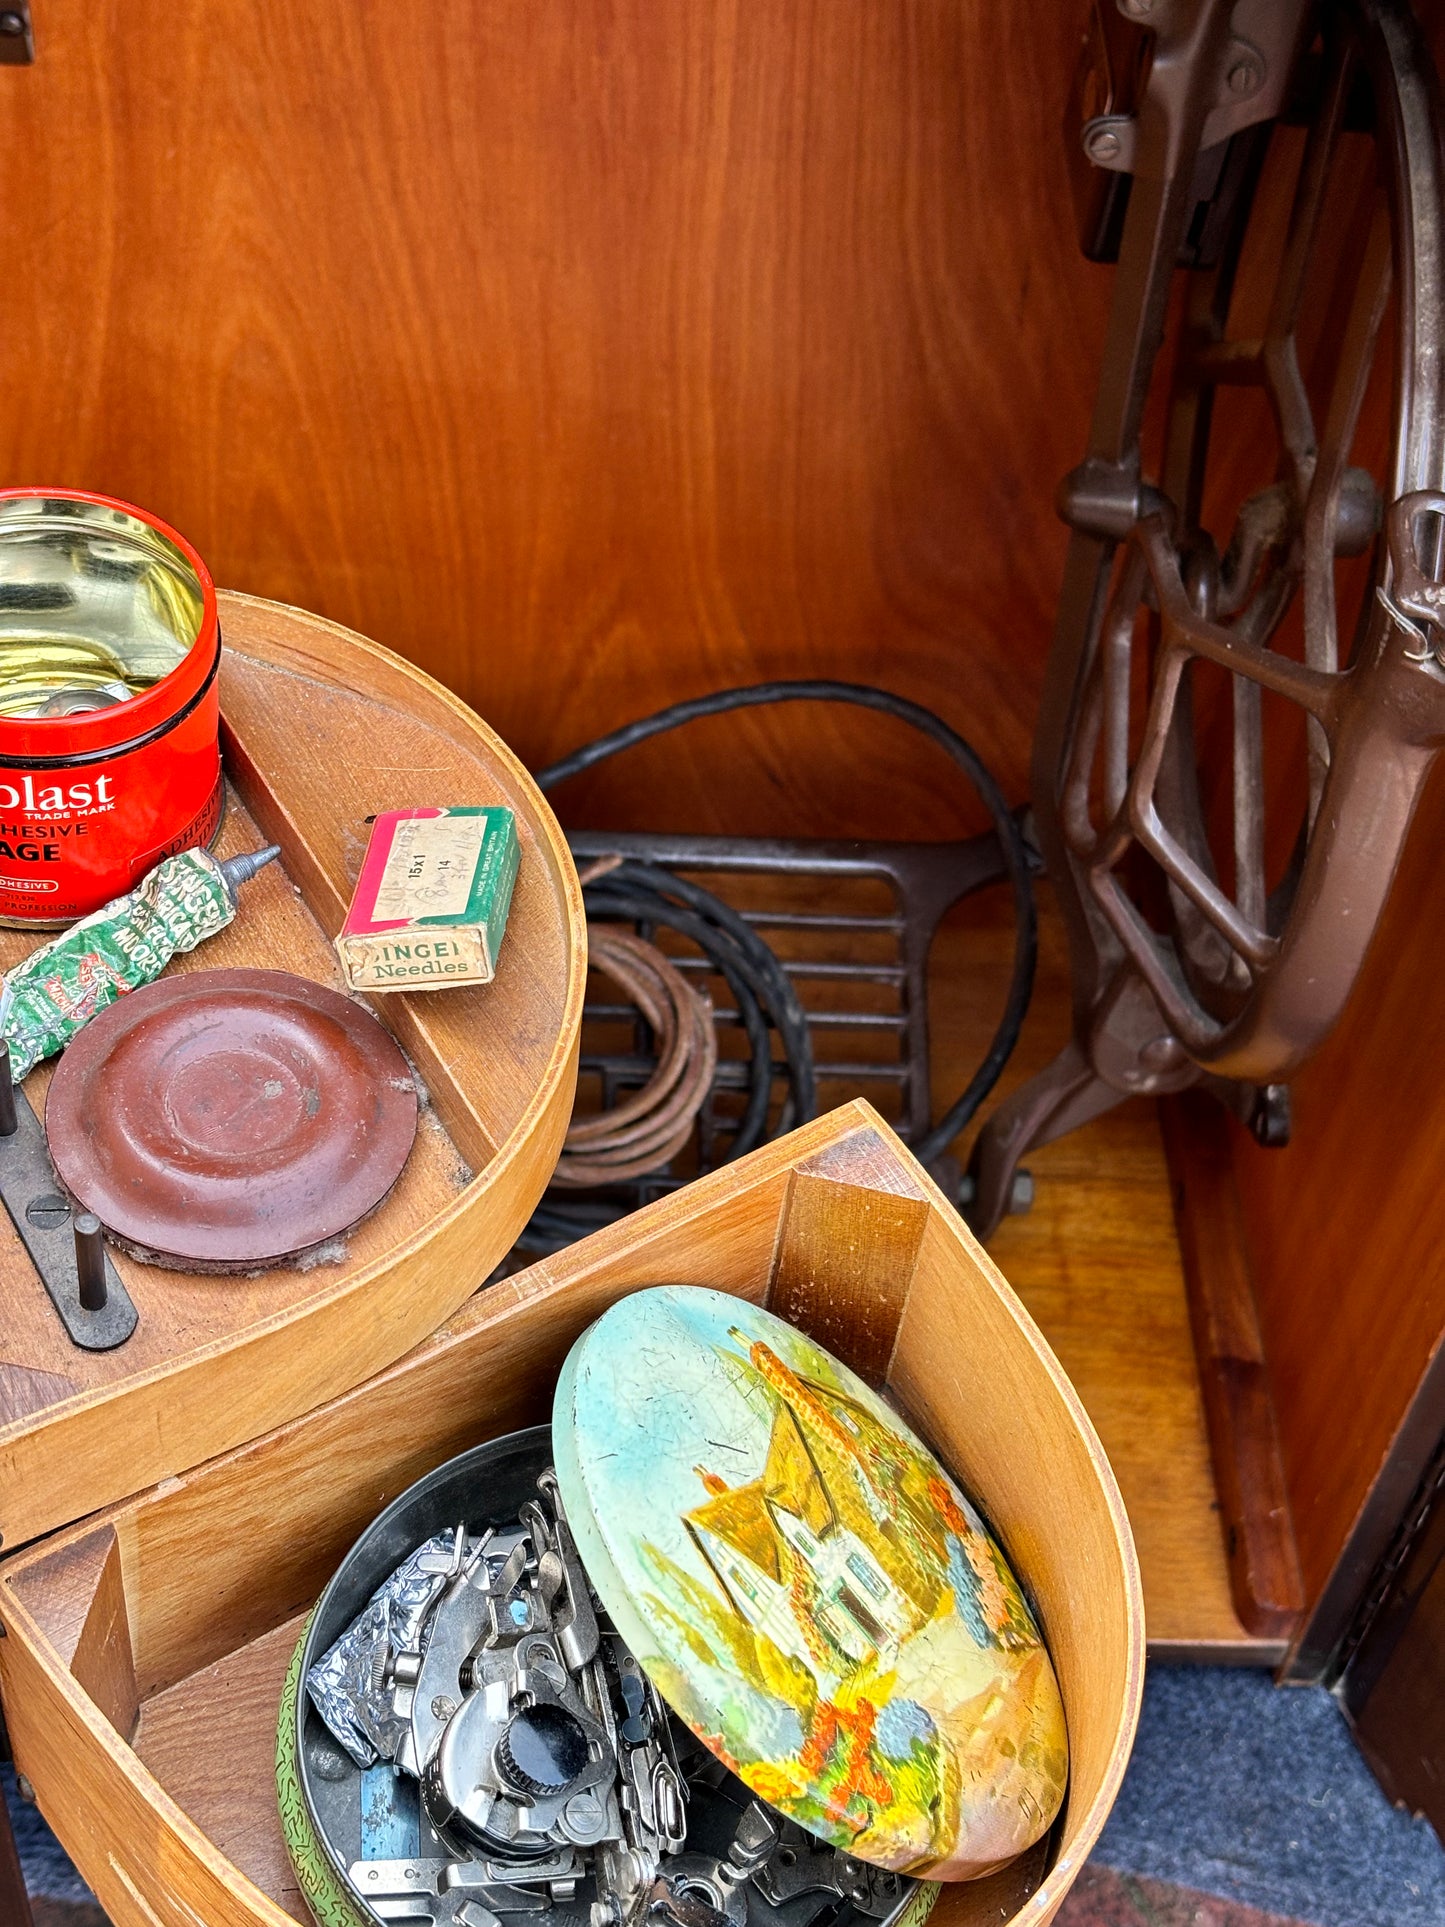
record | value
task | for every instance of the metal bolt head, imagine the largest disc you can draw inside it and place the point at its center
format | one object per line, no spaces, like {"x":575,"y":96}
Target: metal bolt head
{"x":24,"y":1789}
{"x":1270,"y":1118}
{"x":1021,"y":1198}
{"x":585,"y":1814}
{"x":1245,"y":76}
{"x":1162,"y":1054}
{"x":442,"y":1707}
{"x":12,"y":23}
{"x":1102,"y":145}
{"x":1136,"y":9}
{"x":47,"y":1212}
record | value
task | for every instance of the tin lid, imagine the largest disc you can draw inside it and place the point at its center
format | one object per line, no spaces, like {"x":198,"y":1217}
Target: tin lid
{"x":219,"y":1120}
{"x":806,"y":1586}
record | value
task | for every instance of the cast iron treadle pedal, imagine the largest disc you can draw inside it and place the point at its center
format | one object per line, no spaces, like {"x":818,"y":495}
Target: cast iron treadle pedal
{"x":925,"y":880}
{"x":41,"y":1213}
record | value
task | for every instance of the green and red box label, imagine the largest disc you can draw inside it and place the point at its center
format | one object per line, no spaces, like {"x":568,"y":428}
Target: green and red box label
{"x":432,"y":899}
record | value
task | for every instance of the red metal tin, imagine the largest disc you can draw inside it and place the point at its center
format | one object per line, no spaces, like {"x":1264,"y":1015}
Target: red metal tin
{"x":90,"y":801}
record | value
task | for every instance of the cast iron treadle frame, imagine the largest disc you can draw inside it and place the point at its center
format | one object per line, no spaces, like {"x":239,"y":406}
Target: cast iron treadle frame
{"x":1194,"y":959}
{"x":926,"y":880}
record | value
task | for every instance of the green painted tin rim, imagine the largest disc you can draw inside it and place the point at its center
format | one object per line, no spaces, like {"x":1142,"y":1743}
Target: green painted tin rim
{"x":326,"y":1896}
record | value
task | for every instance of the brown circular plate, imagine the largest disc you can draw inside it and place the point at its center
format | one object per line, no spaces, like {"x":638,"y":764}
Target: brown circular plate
{"x":225,"y":1119}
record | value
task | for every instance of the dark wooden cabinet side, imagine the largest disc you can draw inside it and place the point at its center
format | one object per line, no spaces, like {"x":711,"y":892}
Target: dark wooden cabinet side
{"x":1345,"y":1233}
{"x":1393,"y":1688}
{"x":1317,"y":1283}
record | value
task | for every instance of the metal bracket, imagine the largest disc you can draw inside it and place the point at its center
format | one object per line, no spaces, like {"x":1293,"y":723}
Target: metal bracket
{"x":1250,"y":85}
{"x":41,"y":1213}
{"x":17,"y":36}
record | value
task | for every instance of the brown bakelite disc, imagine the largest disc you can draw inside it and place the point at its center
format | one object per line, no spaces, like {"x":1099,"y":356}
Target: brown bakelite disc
{"x":221,"y":1120}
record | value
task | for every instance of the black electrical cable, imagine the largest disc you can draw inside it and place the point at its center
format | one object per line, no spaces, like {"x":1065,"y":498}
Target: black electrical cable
{"x":761,"y":987}
{"x":644,"y":894}
{"x":1011,"y":843}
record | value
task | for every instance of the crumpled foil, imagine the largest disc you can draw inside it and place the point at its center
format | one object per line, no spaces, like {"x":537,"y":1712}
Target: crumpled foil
{"x":345,"y":1683}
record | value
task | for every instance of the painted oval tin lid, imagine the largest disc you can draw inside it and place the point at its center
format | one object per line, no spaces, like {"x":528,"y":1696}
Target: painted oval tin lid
{"x":806,"y":1586}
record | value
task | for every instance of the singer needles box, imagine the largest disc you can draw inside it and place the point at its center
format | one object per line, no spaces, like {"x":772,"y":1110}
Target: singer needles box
{"x":431,"y":903}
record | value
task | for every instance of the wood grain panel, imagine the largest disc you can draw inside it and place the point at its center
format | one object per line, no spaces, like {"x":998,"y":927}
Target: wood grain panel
{"x":177,"y":1728}
{"x":592,"y":353}
{"x":1346,"y":1226}
{"x":847,"y":1246}
{"x":1233,"y":1377}
{"x":102,"y":1664}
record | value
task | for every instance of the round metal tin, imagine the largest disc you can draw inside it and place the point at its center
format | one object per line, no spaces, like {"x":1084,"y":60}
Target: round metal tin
{"x":108,"y":623}
{"x":221,"y":1120}
{"x":321,"y":1790}
{"x":806,"y":1586}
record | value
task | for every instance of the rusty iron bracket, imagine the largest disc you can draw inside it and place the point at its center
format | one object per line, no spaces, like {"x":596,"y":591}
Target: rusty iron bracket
{"x":41,"y":1213}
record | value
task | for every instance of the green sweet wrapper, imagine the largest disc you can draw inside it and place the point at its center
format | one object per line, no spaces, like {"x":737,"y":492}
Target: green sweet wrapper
{"x":58,"y":988}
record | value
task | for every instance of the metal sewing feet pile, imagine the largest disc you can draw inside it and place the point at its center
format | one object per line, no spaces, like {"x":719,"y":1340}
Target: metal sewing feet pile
{"x":723,"y":1646}
{"x":511,"y":1757}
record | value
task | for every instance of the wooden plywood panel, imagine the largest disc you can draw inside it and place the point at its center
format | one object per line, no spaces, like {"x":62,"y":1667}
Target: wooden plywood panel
{"x":592,"y":353}
{"x":175,"y":1740}
{"x":1341,"y":1230}
{"x":1345,"y":1226}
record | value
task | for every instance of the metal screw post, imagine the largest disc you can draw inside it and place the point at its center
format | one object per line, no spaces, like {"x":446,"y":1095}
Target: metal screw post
{"x":90,"y":1261}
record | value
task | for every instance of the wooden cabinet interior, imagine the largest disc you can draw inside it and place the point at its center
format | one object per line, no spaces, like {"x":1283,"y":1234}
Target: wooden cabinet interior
{"x":594,"y":355}
{"x":1343,"y":1232}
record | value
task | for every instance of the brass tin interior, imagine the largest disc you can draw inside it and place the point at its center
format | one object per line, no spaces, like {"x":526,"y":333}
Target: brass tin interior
{"x":95,"y":605}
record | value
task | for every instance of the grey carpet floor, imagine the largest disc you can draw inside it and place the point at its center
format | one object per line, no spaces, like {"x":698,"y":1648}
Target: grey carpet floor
{"x":47,"y":1870}
{"x":1236,"y":1788}
{"x":1240,"y":1788}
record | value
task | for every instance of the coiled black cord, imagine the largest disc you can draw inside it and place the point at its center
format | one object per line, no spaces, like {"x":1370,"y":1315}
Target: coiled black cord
{"x":761,"y":986}
{"x":641,"y":891}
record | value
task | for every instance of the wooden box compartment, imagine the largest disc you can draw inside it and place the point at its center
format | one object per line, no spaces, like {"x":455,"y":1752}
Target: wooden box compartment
{"x":144,"y":1650}
{"x":320,"y":729}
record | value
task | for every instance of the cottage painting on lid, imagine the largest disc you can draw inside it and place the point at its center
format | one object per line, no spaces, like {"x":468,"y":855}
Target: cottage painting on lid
{"x":806,"y":1586}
